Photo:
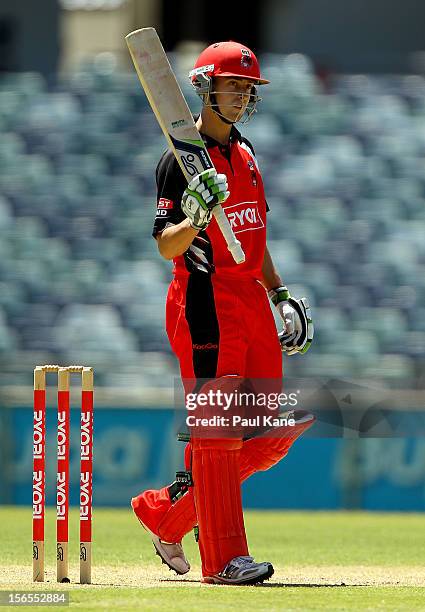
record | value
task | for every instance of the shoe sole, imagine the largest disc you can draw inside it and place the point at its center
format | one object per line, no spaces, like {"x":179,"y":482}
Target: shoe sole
{"x":157,"y":552}
{"x":164,"y":562}
{"x":248,"y":582}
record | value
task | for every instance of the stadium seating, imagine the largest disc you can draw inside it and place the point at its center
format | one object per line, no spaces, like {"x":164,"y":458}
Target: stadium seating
{"x":80,"y":276}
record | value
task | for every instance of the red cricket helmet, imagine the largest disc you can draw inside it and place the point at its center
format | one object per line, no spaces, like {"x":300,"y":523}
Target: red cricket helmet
{"x":227,"y":59}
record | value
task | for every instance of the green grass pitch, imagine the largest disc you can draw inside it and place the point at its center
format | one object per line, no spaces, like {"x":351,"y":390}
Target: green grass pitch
{"x":323,"y":561}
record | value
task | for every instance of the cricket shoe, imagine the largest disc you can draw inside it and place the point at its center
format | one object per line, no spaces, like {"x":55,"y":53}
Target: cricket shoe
{"x":242,"y":571}
{"x":170,"y":553}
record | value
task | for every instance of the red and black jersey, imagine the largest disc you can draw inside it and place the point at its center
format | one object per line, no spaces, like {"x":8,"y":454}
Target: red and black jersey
{"x":245,"y":208}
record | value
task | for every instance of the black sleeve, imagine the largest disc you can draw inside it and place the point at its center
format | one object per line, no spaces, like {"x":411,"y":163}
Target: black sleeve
{"x":170,"y":183}
{"x":247,"y":142}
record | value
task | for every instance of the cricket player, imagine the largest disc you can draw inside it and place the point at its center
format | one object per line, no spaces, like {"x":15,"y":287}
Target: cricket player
{"x":219,"y":321}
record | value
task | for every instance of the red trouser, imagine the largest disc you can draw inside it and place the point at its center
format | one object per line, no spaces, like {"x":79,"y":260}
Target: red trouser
{"x":218,"y":327}
{"x":245,"y":331}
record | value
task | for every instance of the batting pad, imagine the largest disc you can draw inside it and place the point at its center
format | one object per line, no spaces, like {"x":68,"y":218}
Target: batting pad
{"x":218,"y":503}
{"x":171,"y":522}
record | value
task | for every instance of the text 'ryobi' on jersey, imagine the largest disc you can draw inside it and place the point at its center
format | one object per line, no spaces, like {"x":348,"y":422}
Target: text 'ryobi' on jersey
{"x":244,"y":217}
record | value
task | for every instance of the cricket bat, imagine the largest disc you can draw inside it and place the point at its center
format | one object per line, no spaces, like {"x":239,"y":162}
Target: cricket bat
{"x":174,"y":117}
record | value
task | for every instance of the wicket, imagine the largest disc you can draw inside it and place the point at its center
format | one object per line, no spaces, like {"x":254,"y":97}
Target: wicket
{"x":62,"y":484}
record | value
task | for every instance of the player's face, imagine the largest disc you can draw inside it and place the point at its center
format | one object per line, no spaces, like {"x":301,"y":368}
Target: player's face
{"x":232,"y":96}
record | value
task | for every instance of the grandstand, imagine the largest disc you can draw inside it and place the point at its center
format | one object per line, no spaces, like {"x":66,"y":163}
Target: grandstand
{"x":80,"y":276}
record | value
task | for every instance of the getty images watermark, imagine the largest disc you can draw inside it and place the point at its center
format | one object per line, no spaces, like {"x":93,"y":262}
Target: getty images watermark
{"x":213,"y":402}
{"x":233,"y":406}
{"x":340,"y":408}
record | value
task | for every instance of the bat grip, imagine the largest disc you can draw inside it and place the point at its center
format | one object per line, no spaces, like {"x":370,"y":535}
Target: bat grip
{"x":233,"y":244}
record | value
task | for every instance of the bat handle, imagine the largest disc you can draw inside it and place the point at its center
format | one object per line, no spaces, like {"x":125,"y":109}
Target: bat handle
{"x":233,"y":244}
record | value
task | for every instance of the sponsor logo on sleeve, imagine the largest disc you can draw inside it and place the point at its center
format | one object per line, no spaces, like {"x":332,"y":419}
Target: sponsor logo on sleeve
{"x":164,"y":203}
{"x":163,"y":207}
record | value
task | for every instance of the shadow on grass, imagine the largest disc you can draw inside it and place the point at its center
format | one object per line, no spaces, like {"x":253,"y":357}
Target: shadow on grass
{"x":272,"y":585}
{"x":309,"y":585}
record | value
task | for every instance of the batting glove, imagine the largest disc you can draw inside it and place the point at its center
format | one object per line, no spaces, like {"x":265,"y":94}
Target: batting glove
{"x":204,"y":192}
{"x":298,"y":330}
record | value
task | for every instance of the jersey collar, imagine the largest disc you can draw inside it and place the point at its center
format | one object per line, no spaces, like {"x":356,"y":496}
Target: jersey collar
{"x":235,"y":136}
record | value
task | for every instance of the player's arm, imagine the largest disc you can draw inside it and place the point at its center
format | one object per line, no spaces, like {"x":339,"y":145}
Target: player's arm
{"x":298,"y":331}
{"x":172,"y":229}
{"x":204,"y":192}
{"x":176,"y":239}
{"x":271,"y":277}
